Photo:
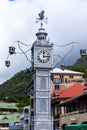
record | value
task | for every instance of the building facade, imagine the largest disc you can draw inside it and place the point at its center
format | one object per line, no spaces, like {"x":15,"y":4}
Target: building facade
{"x":55,"y":92}
{"x":74,"y":111}
{"x":61,"y":96}
{"x":9,"y":116}
{"x":25,"y":117}
{"x":62,"y":79}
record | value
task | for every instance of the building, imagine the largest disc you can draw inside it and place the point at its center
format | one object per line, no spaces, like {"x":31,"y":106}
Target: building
{"x":62,"y":95}
{"x":56,"y":89}
{"x":74,"y":110}
{"x":25,"y":117}
{"x":30,"y":92}
{"x":62,"y":79}
{"x":9,"y":116}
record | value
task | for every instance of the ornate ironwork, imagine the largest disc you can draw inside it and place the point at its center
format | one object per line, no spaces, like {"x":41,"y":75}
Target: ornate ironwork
{"x":11,"y":50}
{"x":7,"y":63}
{"x":41,"y":18}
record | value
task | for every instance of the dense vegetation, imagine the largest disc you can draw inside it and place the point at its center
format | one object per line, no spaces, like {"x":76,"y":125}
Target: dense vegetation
{"x":82,"y":61}
{"x":80,"y":65}
{"x":14,"y":89}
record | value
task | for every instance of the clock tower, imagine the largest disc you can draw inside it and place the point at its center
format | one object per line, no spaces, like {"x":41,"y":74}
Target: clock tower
{"x":42,"y":63}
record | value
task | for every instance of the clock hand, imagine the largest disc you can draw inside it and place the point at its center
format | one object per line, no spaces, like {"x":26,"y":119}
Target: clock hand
{"x":43,"y":54}
{"x":46,"y":56}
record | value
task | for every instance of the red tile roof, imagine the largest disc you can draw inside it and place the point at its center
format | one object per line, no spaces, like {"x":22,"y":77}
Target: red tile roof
{"x":58,"y":91}
{"x":73,"y":90}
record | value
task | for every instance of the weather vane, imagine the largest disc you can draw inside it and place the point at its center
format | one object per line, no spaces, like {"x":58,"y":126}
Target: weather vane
{"x":41,"y":18}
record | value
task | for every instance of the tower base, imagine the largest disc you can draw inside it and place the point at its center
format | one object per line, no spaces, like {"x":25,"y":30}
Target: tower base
{"x":43,"y":124}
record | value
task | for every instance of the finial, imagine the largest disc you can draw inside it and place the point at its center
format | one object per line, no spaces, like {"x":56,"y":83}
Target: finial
{"x":41,"y":18}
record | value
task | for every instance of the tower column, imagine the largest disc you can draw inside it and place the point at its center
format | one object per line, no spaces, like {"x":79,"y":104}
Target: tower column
{"x":42,"y":63}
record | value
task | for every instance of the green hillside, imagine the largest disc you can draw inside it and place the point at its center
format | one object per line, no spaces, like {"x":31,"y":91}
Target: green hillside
{"x":80,"y":65}
{"x":14,"y":90}
{"x":82,"y":61}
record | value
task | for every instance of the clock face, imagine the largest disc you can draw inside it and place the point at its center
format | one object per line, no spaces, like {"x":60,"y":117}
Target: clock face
{"x":43,"y":56}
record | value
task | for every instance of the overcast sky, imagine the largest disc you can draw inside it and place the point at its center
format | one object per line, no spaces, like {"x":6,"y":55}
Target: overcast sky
{"x":67,"y":22}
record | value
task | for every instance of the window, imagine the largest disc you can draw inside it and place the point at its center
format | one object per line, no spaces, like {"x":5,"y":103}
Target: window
{"x":26,"y":111}
{"x":71,"y":76}
{"x":32,"y":103}
{"x":61,"y":76}
{"x":31,"y":92}
{"x":82,"y":105}
{"x":71,"y":108}
{"x":58,"y":110}
{"x":43,"y":83}
{"x":56,"y":81}
{"x":66,"y":81}
{"x":43,"y":105}
{"x":32,"y":116}
{"x":57,"y":86}
{"x":26,"y":121}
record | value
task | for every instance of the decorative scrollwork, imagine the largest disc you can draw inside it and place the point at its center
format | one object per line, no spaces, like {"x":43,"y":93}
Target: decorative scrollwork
{"x":41,"y":18}
{"x":12,"y":51}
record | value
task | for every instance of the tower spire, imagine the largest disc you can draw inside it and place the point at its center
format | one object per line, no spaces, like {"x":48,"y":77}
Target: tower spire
{"x":41,"y":34}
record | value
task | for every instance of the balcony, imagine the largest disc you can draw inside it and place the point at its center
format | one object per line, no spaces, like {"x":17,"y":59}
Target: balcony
{"x":81,"y":111}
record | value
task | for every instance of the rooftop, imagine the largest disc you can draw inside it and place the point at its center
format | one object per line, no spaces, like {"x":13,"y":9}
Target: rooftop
{"x":58,"y":91}
{"x":58,"y":70}
{"x":8,"y":105}
{"x":73,"y":90}
{"x":9,"y":118}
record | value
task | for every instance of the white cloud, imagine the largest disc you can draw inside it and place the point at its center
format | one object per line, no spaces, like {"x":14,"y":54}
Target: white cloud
{"x":67,"y":22}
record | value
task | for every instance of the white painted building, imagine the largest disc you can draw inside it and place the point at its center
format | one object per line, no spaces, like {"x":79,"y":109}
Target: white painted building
{"x":25,"y":117}
{"x":62,"y":79}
